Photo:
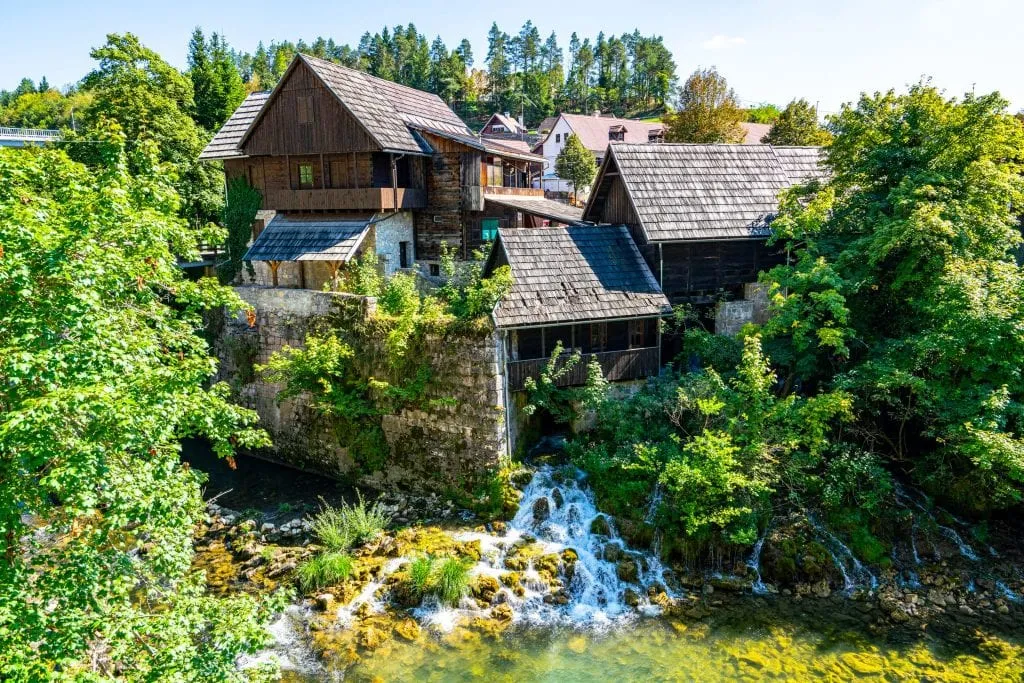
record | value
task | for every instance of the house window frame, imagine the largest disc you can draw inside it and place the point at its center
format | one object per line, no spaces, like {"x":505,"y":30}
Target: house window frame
{"x":306,"y":171}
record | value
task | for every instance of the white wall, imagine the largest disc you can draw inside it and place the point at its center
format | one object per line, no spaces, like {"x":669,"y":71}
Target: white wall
{"x":390,"y":233}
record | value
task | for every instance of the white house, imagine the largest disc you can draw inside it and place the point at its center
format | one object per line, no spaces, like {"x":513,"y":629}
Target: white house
{"x":595,"y":132}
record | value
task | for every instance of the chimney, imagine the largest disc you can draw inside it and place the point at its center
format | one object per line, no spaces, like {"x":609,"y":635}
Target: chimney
{"x":506,"y":114}
{"x":597,"y":113}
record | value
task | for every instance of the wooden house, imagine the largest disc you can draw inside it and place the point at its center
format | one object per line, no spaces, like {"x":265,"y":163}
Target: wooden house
{"x":586,"y":287}
{"x":700,"y":214}
{"x":339,"y":146}
{"x":502,"y":125}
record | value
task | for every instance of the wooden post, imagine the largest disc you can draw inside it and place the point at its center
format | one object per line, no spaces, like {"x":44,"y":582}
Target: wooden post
{"x":323,"y":173}
{"x":394,"y":183}
{"x":274,"y":265}
{"x":334,"y":265}
{"x":302,"y":274}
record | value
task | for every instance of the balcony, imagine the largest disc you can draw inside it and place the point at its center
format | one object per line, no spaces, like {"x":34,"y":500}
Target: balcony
{"x":618,"y":366}
{"x":513,"y":191}
{"x":346,"y":199}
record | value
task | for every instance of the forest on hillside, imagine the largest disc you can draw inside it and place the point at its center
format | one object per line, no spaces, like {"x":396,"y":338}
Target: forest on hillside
{"x":522,"y":72}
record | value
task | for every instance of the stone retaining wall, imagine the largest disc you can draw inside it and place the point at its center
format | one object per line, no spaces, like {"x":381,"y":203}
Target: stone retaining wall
{"x":440,"y":444}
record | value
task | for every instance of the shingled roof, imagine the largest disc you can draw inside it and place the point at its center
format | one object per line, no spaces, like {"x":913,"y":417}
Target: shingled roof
{"x":312,"y":238}
{"x":593,"y":130}
{"x":574,"y":274}
{"x":704,"y":192}
{"x":392,"y":114}
{"x":224,"y":144}
{"x":510,"y":123}
{"x":537,"y":206}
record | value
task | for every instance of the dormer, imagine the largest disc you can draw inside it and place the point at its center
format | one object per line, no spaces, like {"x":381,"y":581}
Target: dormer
{"x":617,"y":133}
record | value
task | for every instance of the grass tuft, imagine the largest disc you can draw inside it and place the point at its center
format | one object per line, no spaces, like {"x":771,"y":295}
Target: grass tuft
{"x":452,"y":581}
{"x":325,"y":569}
{"x":349,"y":525}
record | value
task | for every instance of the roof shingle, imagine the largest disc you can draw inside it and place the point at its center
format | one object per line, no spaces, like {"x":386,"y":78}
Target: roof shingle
{"x":702,"y":192}
{"x":575,"y":274}
{"x":316,"y":238}
{"x":224,"y":144}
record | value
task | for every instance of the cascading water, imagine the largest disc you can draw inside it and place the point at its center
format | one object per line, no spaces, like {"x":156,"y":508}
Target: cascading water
{"x":556,"y":515}
{"x":849,"y":566}
{"x":754,"y":563}
{"x":952,"y":534}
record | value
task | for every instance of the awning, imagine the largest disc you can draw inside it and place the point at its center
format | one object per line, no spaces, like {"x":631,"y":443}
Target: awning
{"x":539,"y":206}
{"x":315,"y":238}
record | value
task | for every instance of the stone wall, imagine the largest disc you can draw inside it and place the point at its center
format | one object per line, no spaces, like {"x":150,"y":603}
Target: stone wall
{"x":731,"y":316}
{"x":440,"y":444}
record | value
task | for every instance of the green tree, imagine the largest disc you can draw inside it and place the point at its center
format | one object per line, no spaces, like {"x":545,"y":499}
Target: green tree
{"x":797,"y":125}
{"x":576,"y":163}
{"x":762,"y":113}
{"x":151,"y":100}
{"x":708,"y":111}
{"x":906,"y":292}
{"x":104,"y":374}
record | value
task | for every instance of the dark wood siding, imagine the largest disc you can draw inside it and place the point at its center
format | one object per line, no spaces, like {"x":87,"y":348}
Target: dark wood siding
{"x":306,"y":118}
{"x":693,"y":271}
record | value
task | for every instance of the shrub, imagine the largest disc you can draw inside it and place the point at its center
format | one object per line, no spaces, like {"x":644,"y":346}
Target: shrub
{"x":325,"y":569}
{"x":452,"y":581}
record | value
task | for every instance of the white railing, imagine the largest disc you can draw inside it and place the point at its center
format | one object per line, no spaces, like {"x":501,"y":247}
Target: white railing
{"x":29,"y":133}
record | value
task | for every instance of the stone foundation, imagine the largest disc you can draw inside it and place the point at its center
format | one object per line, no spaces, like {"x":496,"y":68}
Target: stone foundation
{"x":731,"y":316}
{"x":437,"y":445}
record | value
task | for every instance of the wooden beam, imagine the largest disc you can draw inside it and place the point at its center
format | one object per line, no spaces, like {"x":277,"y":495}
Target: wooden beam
{"x":274,"y":265}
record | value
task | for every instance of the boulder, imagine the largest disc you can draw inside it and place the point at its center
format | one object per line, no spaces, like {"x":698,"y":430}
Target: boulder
{"x":556,"y":496}
{"x":627,"y":570}
{"x":485,"y":588}
{"x":600,"y":526}
{"x":325,"y":601}
{"x":631,"y":598}
{"x":541,"y":510}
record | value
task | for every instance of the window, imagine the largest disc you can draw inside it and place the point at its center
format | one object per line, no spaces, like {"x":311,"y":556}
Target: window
{"x":304,"y":109}
{"x":435,"y":270}
{"x":403,"y":254}
{"x":558,"y":137}
{"x":250,"y":174}
{"x":498,"y":128}
{"x":529,"y":344}
{"x":305,"y":175}
{"x":637,"y":334}
{"x":488,"y":229}
{"x":598,"y":337}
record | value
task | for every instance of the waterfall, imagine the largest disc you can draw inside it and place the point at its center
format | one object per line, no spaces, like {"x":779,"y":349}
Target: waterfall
{"x":289,"y":647}
{"x":841,"y":556}
{"x":652,"y":507}
{"x":556,"y":513}
{"x":754,"y":563}
{"x":965,"y":548}
{"x":1007,"y":592}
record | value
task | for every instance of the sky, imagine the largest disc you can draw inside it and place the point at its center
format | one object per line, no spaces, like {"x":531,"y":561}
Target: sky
{"x":827,"y":52}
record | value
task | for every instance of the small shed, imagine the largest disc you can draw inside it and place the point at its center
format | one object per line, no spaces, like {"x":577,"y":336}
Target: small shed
{"x":586,"y":287}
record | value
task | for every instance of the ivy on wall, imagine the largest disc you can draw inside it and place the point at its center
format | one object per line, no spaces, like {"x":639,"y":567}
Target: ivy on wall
{"x":243,"y":201}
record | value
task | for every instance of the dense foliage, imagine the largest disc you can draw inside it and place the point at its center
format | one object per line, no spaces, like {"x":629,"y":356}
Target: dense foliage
{"x":708,"y":111}
{"x":104,"y":373}
{"x":715,"y":447}
{"x":906,"y":291}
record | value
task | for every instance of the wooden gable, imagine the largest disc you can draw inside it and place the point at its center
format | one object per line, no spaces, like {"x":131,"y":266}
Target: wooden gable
{"x":303,"y":117}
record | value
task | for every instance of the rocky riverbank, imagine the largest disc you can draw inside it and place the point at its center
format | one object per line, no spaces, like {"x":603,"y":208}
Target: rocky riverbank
{"x":560,"y":561}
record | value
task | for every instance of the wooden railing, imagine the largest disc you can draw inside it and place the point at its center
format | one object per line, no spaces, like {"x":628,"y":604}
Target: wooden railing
{"x":520,"y":191}
{"x":341,"y":199}
{"x":617,"y":366}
